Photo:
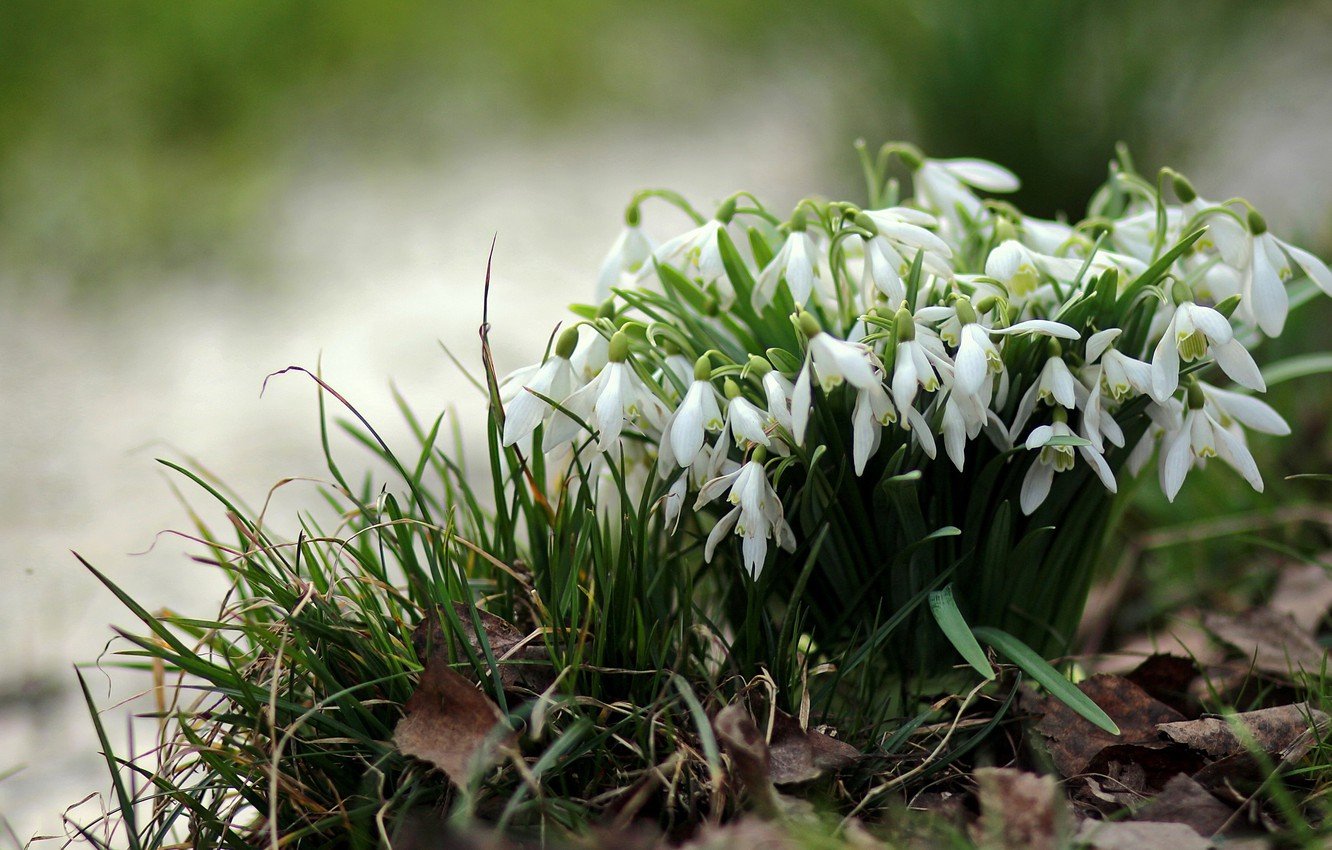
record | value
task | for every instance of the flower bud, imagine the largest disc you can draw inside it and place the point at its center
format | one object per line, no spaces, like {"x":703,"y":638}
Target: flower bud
{"x":1004,"y":230}
{"x":726,"y":211}
{"x":632,"y":216}
{"x":607,"y":309}
{"x":1257,"y":224}
{"x":758,"y":366}
{"x":904,"y":324}
{"x":1194,"y":394}
{"x":1180,"y":292}
{"x":864,"y":222}
{"x":809,"y":325}
{"x":731,"y":388}
{"x":911,"y":157}
{"x":986,"y":304}
{"x":966,"y":313}
{"x":618,"y":350}
{"x":1183,"y":188}
{"x":568,"y":341}
{"x":702,"y":369}
{"x":798,"y":222}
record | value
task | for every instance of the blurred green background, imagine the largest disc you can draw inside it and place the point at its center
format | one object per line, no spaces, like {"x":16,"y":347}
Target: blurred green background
{"x":143,"y":135}
{"x":194,"y":193}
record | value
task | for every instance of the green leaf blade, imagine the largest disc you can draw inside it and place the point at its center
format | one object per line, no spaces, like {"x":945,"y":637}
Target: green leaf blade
{"x":954,"y":626}
{"x":1049,"y":678}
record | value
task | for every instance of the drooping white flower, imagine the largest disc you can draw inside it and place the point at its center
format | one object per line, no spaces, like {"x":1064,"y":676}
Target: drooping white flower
{"x":1054,"y":385}
{"x":977,"y":355}
{"x":945,"y":185}
{"x":615,"y":396}
{"x":1057,"y":454}
{"x":589,"y":356}
{"x":1263,"y":279}
{"x":1200,"y":436}
{"x":744,"y":419}
{"x":919,"y":354}
{"x":553,"y":380}
{"x":757,"y":516}
{"x":1194,"y":331}
{"x":777,"y":390}
{"x":834,"y":361}
{"x":626,"y":257}
{"x":899,"y":233}
{"x":697,"y":414}
{"x":797,"y":262}
{"x":1120,"y":375}
{"x":873,"y":410}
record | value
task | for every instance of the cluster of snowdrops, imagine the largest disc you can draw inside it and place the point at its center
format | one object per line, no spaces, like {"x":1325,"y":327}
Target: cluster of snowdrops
{"x":941,"y":312}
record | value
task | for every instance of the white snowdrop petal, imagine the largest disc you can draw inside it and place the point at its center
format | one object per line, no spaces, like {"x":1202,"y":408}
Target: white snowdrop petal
{"x":1238,"y":364}
{"x":1098,"y":342}
{"x":1035,"y":486}
{"x":1041,"y":326}
{"x":1314,"y":267}
{"x":982,"y":174}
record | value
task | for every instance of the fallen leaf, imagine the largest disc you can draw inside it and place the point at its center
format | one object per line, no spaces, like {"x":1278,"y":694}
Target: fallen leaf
{"x":1166,"y":678}
{"x":1274,"y":642}
{"x":1136,"y":835}
{"x":1303,"y":592}
{"x":801,"y":755}
{"x":1184,"y":800}
{"x":740,"y":737}
{"x":790,"y":754}
{"x":450,"y":723}
{"x":1285,"y":732}
{"x":521,"y":665}
{"x":1074,"y":742}
{"x":1020,"y":810}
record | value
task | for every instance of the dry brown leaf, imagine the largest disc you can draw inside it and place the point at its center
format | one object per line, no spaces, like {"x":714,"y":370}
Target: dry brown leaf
{"x":1304,"y":592}
{"x":1274,"y":642}
{"x":451,"y":724}
{"x":1020,"y":810}
{"x":801,"y":755}
{"x":740,"y":737}
{"x":1283,"y":732}
{"x":1074,"y":742}
{"x":1185,"y":801}
{"x":1136,"y":835}
{"x":1167,"y":678}
{"x":791,"y":754}
{"x":521,"y":665}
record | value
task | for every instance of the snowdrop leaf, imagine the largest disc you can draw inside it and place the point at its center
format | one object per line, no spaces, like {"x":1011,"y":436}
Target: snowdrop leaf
{"x":1049,"y":678}
{"x":1157,"y":269}
{"x":954,"y":626}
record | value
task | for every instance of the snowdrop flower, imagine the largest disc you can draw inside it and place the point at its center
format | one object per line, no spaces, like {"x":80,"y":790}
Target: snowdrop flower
{"x":744,"y":419}
{"x":777,"y":391}
{"x":756,"y":517}
{"x":873,"y":410}
{"x":1057,"y":454}
{"x":914,"y":366}
{"x":898,"y":233}
{"x":626,"y":256}
{"x":1120,"y":375}
{"x":697,"y":413}
{"x":835,"y":361}
{"x":1230,"y":408}
{"x":1047,"y":237}
{"x":977,"y":355}
{"x":614,"y":396}
{"x":1269,"y":267}
{"x":591,"y":353}
{"x":1054,"y":385}
{"x":945,"y":185}
{"x":554,"y":379}
{"x":1200,"y":436}
{"x":1193,"y":331}
{"x":797,"y":263}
